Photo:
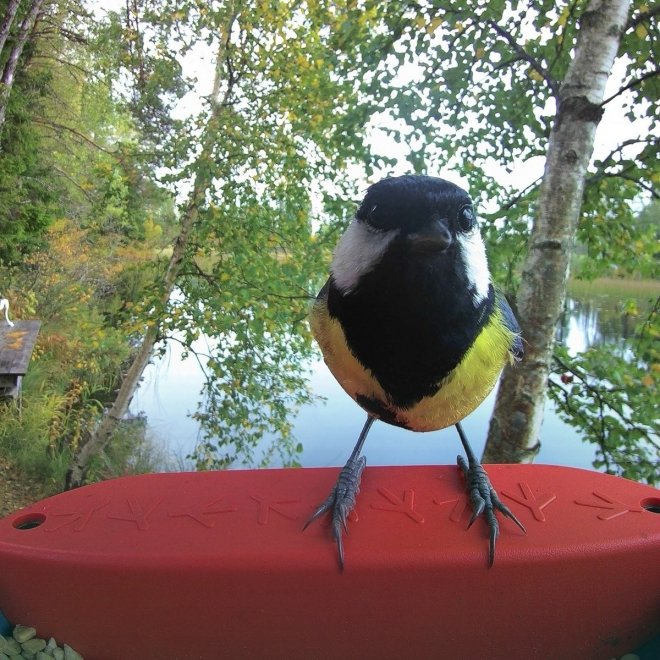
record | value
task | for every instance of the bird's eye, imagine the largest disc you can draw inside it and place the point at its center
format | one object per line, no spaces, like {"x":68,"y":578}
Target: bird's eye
{"x":466,"y":219}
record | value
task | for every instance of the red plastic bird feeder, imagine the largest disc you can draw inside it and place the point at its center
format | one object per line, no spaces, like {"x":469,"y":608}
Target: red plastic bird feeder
{"x":214,"y":565}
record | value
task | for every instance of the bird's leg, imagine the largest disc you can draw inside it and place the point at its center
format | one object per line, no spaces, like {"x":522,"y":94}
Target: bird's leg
{"x":342,"y":497}
{"x":483,"y":497}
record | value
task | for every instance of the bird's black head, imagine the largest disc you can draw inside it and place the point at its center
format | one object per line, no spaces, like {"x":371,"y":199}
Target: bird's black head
{"x":428,"y":210}
{"x":416,"y":224}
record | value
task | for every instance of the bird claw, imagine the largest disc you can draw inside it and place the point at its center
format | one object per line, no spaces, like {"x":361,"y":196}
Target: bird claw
{"x":341,"y":502}
{"x":485,"y":500}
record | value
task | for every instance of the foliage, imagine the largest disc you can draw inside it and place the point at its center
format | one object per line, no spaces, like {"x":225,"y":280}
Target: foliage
{"x":269,"y":139}
{"x":78,"y":285}
{"x":27,"y":197}
{"x":105,"y":139}
{"x":618,"y":241}
{"x":483,"y":97}
{"x":610,"y":393}
{"x":132,"y":451}
{"x":67,"y":148}
{"x":23,"y":438}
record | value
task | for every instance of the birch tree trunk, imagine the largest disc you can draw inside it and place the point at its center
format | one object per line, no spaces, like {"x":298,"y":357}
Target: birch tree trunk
{"x":97,"y":439}
{"x":7,"y":21}
{"x":9,"y":71}
{"x":513,"y":435}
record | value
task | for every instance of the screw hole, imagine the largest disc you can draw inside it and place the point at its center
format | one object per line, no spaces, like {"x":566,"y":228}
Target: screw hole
{"x":651,"y":504}
{"x":29,"y":521}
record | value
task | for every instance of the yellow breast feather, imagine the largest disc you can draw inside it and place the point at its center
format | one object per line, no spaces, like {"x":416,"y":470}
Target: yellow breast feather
{"x":459,"y":393}
{"x":468,"y":384}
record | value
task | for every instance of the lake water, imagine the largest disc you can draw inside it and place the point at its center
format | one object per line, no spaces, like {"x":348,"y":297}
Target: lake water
{"x":328,"y":429}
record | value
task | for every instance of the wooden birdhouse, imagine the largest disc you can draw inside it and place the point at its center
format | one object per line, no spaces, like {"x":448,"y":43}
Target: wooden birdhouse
{"x":16,"y":344}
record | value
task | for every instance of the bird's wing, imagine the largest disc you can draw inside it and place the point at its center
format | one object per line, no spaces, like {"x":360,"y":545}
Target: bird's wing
{"x":323,"y":293}
{"x":321,"y":324}
{"x":511,"y":323}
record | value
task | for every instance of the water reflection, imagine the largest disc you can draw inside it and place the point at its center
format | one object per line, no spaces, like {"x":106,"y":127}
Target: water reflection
{"x":592,"y":322}
{"x":328,"y":428}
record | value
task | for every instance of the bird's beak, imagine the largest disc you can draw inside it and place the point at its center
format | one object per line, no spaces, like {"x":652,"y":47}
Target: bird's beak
{"x":433,"y":239}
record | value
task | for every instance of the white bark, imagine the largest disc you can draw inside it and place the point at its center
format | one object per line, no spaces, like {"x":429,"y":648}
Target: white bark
{"x":515,"y":426}
{"x":7,"y":21}
{"x":9,"y":71}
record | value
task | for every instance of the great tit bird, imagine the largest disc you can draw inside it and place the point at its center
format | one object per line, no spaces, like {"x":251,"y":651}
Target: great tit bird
{"x":412,"y":328}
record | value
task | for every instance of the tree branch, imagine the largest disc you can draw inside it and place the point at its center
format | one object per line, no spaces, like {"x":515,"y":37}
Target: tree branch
{"x":214,"y":284}
{"x":57,"y":29}
{"x":654,"y":193}
{"x":631,"y":84}
{"x":609,"y":161}
{"x":561,"y":41}
{"x":603,"y":400}
{"x":67,"y":64}
{"x":621,"y":175}
{"x":524,"y":55}
{"x":578,"y":413}
{"x":84,"y":138}
{"x":70,"y":179}
{"x":521,"y":194}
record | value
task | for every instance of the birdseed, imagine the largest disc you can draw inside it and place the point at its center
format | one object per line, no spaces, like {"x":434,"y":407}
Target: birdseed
{"x":24,"y":643}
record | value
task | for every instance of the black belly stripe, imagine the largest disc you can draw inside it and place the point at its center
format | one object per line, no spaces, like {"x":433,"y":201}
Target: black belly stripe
{"x":378,"y":409}
{"x":410,"y":324}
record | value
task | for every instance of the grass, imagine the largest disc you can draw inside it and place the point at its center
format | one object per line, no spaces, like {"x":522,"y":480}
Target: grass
{"x":24,"y":441}
{"x":613,"y":286}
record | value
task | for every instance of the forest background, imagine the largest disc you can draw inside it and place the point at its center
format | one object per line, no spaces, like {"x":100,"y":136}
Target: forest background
{"x":217,"y":150}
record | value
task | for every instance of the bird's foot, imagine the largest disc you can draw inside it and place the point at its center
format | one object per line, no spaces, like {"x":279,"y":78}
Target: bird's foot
{"x":484,"y":500}
{"x":341,"y":501}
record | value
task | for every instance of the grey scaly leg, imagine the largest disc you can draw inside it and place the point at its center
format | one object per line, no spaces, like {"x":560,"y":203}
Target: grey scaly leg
{"x":483,"y":497}
{"x":342,"y":497}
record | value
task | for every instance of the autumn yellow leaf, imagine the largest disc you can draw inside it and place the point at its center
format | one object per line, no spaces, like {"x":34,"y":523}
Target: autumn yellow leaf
{"x":535,"y":75}
{"x":434,"y":24}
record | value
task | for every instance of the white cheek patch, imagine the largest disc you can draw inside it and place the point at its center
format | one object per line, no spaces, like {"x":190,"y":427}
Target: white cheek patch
{"x":473,"y":252}
{"x":359,"y":250}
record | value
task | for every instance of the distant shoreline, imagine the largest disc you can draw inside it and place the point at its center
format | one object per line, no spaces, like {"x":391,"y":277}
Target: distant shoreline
{"x":614,"y":286}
